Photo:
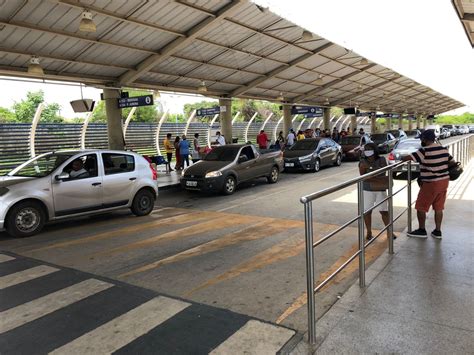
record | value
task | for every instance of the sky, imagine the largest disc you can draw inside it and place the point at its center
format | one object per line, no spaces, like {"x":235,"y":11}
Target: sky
{"x":421,"y":39}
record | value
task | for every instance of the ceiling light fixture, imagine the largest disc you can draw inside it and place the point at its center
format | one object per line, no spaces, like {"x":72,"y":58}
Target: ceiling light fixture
{"x":327,"y":101}
{"x":281,"y":97}
{"x":202,"y":87}
{"x":306,"y":36}
{"x":262,"y":9}
{"x":319,"y":80}
{"x":34,"y":66}
{"x":363,"y":61}
{"x":87,"y":24}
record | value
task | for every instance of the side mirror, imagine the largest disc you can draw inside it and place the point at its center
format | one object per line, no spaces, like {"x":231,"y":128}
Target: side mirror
{"x":62,"y":176}
{"x":242,"y":159}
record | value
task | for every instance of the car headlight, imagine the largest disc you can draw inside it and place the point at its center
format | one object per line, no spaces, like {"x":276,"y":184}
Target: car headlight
{"x":3,"y":191}
{"x":184,"y":171}
{"x":213,"y":174}
{"x":306,"y":158}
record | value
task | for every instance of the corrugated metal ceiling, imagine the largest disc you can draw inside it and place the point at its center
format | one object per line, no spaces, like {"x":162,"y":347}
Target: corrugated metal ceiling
{"x":235,"y":47}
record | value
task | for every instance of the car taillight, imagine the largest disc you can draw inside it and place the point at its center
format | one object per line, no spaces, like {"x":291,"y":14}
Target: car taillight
{"x":154,"y":174}
{"x":391,"y":156}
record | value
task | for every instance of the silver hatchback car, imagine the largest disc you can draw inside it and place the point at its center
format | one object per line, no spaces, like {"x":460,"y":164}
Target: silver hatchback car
{"x":66,"y":184}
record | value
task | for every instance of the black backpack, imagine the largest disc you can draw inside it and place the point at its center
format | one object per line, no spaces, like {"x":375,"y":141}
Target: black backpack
{"x":455,"y":171}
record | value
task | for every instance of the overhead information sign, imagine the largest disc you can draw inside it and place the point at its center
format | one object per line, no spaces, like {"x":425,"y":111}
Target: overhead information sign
{"x":146,"y":100}
{"x":365,"y":114}
{"x":389,"y":115}
{"x":200,"y":112}
{"x":314,"y":111}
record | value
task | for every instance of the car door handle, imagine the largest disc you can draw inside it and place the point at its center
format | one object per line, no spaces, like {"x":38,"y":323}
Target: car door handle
{"x":132,"y":179}
{"x":96,"y":183}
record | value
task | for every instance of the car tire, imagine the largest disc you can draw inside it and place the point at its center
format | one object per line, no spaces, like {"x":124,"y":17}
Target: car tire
{"x":274,"y":175}
{"x":317,"y":166}
{"x":25,"y":219}
{"x":143,"y":203}
{"x":229,"y":185}
{"x":338,"y":161}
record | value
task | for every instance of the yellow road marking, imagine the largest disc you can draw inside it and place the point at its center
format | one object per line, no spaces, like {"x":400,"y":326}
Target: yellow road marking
{"x":199,"y":228}
{"x":374,"y":251}
{"x":182,"y":218}
{"x":254,"y":232}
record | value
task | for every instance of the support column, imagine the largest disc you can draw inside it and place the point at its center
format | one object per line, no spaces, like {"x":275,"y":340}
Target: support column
{"x":388,"y":123}
{"x":287,"y":124}
{"x":114,"y":119}
{"x":373,"y":125}
{"x":353,"y":124}
{"x":400,"y":122}
{"x":327,"y":118}
{"x":226,"y":119}
{"x":418,"y":122}
{"x":410,"y":123}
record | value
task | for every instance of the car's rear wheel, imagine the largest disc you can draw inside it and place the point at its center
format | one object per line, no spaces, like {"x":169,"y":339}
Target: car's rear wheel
{"x":143,"y":203}
{"x":25,"y":219}
{"x":317,"y":166}
{"x":274,"y":175}
{"x":229,"y":185}
{"x":338,"y":160}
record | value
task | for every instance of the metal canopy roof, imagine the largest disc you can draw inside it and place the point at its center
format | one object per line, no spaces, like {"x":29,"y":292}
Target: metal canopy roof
{"x":465,"y":11}
{"x":237,"y":48}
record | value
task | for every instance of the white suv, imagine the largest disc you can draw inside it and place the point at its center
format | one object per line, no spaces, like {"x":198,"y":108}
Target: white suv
{"x":67,"y":184}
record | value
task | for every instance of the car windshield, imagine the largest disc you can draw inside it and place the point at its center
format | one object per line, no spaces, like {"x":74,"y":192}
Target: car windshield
{"x":222,"y":154}
{"x":305,"y":144}
{"x":42,"y":165}
{"x":396,"y":133}
{"x":378,"y":138}
{"x":411,"y":133}
{"x":411,"y":145}
{"x":350,"y":140}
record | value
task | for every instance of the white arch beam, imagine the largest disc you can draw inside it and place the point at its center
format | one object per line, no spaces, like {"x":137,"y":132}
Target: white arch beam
{"x":188,"y":122}
{"x":84,"y":129}
{"x":209,"y":130}
{"x":266,"y":121}
{"x":276,"y":128}
{"x":235,"y":117}
{"x":34,"y":124}
{"x":301,"y":124}
{"x":158,"y":129}
{"x":127,"y":121}
{"x":246,"y":132}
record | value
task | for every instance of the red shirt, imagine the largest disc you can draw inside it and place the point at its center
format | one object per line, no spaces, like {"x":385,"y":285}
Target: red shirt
{"x":262,"y":140}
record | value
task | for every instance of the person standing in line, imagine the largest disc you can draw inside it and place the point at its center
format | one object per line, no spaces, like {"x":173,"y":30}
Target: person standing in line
{"x":196,"y":155}
{"x":280,"y":140}
{"x":220,"y":138}
{"x":290,"y":139}
{"x":169,"y":148}
{"x":178,"y":153}
{"x":434,"y":160}
{"x":184,"y":151}
{"x":262,"y":140}
{"x":300,"y":135}
{"x":375,"y":187}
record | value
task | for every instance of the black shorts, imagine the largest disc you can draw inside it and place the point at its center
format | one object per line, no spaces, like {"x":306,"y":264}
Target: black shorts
{"x":169,"y":156}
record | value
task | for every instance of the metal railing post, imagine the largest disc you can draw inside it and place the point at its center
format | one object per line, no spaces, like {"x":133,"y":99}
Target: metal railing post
{"x":409,"y":210}
{"x":308,"y":218}
{"x":390,"y":212}
{"x":360,"y":200}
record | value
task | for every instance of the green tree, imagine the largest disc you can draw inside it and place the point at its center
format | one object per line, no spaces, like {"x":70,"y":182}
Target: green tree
{"x":6,"y":115}
{"x":25,"y":109}
{"x":465,"y":118}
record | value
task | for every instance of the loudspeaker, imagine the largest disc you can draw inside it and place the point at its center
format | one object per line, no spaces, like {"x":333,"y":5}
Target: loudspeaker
{"x":84,"y":105}
{"x":350,"y":111}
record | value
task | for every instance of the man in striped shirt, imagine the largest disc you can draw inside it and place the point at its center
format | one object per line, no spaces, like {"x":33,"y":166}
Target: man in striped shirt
{"x":434,"y":160}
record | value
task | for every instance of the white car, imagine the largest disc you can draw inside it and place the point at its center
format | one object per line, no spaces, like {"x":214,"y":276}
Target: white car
{"x":67,"y":184}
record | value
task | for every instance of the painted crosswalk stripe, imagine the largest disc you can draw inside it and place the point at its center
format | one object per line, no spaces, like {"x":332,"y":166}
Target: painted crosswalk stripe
{"x":255,"y":337}
{"x":124,"y":329}
{"x":25,"y":275}
{"x":4,"y":258}
{"x":27,"y":312}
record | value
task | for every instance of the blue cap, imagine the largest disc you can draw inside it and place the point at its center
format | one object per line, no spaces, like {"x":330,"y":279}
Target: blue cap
{"x":428,"y":135}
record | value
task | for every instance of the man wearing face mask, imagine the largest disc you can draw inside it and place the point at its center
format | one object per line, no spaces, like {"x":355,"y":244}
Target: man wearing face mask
{"x":435,"y":161}
{"x":375,"y":187}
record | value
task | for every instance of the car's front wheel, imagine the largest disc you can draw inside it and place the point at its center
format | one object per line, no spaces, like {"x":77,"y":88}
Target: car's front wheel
{"x":317,"y":166}
{"x":338,"y":160}
{"x":25,"y":219}
{"x":274,"y":175}
{"x":229,"y":185}
{"x":143,"y":203}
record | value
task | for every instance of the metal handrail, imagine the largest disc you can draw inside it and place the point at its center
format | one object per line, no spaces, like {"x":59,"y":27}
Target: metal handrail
{"x":460,"y":150}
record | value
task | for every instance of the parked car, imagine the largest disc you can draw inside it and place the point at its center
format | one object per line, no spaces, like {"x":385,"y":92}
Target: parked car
{"x":445,"y":133}
{"x":225,"y":167}
{"x":312,"y":154}
{"x":457,"y":130}
{"x":400,"y":151}
{"x":352,"y":146}
{"x":414,"y":133}
{"x":398,"y":133}
{"x":451,"y":128}
{"x":464,"y":129}
{"x":66,"y":184}
{"x":385,"y":141}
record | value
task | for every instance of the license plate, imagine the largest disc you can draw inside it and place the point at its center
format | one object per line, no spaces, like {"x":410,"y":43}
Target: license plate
{"x":289,"y":165}
{"x":192,"y":183}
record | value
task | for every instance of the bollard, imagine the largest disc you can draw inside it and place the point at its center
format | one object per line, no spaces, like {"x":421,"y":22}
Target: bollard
{"x":360,"y":191}
{"x":390,"y":213}
{"x":308,"y":217}
{"x":409,"y":211}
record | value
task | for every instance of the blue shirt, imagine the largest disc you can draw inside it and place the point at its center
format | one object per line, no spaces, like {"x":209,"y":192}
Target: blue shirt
{"x":184,"y":147}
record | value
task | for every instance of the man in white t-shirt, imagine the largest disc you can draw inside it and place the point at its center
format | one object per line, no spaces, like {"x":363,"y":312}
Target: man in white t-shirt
{"x":290,"y":139}
{"x":78,"y":170}
{"x":220,"y":139}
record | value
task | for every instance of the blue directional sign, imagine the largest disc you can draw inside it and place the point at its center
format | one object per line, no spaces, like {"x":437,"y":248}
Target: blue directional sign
{"x":389,"y":115}
{"x":146,"y":100}
{"x":365,"y":114}
{"x":314,"y":111}
{"x":200,"y":112}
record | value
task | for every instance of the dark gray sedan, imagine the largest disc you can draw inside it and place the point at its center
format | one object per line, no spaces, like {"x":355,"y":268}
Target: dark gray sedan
{"x":311,"y":154}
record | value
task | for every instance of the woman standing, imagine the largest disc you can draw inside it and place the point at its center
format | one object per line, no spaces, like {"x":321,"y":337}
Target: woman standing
{"x":280,"y":140}
{"x":184,"y":151}
{"x":178,"y":165}
{"x":196,"y":155}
